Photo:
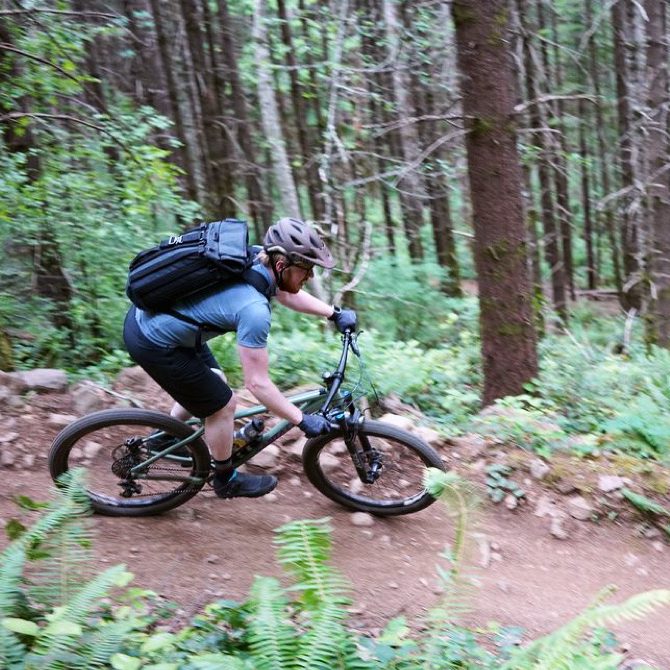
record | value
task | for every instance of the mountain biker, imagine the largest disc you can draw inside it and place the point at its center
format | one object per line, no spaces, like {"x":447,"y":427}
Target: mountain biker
{"x":165,"y":347}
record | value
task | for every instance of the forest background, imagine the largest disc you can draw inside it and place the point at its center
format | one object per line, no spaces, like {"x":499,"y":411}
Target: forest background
{"x":515,"y":150}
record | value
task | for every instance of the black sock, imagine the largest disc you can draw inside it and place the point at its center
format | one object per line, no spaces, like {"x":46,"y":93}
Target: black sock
{"x":224,"y":469}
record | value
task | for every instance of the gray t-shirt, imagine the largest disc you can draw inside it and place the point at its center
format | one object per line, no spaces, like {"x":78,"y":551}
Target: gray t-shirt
{"x":239,"y":307}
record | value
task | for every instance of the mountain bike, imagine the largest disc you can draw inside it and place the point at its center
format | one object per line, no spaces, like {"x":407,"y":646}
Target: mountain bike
{"x":143,"y":462}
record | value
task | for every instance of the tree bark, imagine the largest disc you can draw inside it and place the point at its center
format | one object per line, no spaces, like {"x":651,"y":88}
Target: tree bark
{"x":271,"y":120}
{"x":506,"y":323}
{"x":539,"y":127}
{"x":630,"y":297}
{"x":309,"y":160}
{"x":603,"y":156}
{"x":165,"y":49}
{"x":412,"y":191}
{"x":658,"y":190}
{"x":260,"y":209}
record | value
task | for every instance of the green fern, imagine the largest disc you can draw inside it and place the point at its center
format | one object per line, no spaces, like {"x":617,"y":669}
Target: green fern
{"x":561,"y":649}
{"x":304,"y":549}
{"x":271,"y":636}
{"x":645,"y":504}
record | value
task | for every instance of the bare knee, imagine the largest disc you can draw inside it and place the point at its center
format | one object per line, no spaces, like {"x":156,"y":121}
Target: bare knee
{"x":227,"y":411}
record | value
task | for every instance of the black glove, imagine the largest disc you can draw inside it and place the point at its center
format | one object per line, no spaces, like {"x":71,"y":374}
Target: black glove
{"x":344,"y":319}
{"x":314,"y":424}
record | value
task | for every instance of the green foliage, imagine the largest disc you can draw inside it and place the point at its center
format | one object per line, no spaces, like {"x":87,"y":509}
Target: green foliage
{"x":298,"y":627}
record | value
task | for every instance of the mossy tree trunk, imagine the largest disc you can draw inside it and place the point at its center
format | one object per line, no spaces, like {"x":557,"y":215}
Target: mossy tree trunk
{"x":508,"y":337}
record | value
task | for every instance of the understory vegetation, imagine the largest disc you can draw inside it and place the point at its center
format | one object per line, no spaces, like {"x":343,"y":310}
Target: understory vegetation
{"x":55,"y":614}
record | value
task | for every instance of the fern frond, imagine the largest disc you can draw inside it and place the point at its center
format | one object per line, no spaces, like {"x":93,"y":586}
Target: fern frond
{"x":12,"y":560}
{"x":65,"y":625}
{"x":304,"y":549}
{"x":555,"y":651}
{"x":324,"y":639}
{"x":271,"y":637}
{"x":12,"y":650}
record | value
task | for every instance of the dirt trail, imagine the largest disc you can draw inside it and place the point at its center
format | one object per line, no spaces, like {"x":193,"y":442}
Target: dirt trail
{"x":211,"y":548}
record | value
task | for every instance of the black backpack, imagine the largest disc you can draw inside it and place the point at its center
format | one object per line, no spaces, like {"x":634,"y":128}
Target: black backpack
{"x":215,"y":254}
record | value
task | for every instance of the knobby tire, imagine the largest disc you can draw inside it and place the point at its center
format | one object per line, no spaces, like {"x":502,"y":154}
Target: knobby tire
{"x":399,"y":489}
{"x":117,"y":423}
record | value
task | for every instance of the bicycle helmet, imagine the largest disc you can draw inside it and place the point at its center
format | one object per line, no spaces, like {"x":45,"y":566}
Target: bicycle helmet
{"x":298,"y":242}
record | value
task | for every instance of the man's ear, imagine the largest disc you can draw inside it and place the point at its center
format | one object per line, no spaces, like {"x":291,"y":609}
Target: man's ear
{"x":281,"y":263}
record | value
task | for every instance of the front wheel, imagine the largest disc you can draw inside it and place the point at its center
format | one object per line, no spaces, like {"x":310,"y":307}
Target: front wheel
{"x":117,"y":448}
{"x":395,"y":459}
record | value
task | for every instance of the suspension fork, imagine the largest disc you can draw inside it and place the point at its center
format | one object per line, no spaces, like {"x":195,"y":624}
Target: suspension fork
{"x":364,"y":457}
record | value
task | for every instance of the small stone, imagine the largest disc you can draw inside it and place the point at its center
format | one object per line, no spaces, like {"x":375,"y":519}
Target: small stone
{"x":271,"y":497}
{"x":557,"y":528}
{"x":511,"y":502}
{"x":539,"y":469}
{"x":362,"y":519}
{"x":393,"y":585}
{"x":651,"y":533}
{"x":7,"y":458}
{"x":495,"y":556}
{"x":658,"y":545}
{"x":428,"y":435}
{"x":401,"y":422}
{"x":267,"y":458}
{"x":61,"y":419}
{"x":580,"y":508}
{"x":91,"y":449}
{"x":213,"y":558}
{"x":8,"y":437}
{"x":28,"y":461}
{"x":134,"y":550}
{"x":609,"y":483}
{"x":423,"y":581}
{"x":225,"y":576}
{"x":294,"y":481}
{"x":308,"y":494}
{"x":545,"y":507}
{"x":328,"y":462}
{"x":503,"y":586}
{"x":565,"y":487}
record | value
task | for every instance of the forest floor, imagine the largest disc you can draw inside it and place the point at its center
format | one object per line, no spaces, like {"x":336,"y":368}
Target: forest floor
{"x":210,"y":548}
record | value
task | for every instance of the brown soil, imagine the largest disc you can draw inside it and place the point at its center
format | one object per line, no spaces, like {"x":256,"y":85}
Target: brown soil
{"x":211,"y":548}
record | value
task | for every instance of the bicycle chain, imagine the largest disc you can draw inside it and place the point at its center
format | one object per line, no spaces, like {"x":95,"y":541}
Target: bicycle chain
{"x":166,"y":469}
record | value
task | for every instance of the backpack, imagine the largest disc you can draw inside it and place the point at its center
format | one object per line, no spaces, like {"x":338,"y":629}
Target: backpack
{"x":214,"y":254}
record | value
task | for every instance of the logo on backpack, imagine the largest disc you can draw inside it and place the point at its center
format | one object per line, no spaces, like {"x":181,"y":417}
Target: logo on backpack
{"x":214,"y":254}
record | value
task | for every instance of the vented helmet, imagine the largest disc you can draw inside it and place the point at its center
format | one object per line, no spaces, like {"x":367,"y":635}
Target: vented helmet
{"x":298,"y":242}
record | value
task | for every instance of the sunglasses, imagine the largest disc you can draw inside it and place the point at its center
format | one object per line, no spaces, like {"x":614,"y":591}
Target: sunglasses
{"x":303,"y":266}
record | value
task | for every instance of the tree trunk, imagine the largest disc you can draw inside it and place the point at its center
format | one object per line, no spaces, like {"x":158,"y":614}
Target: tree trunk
{"x":412,"y":192}
{"x":508,"y":338}
{"x":539,"y":126}
{"x":603,"y":157}
{"x":310,"y":164}
{"x":259,"y":208}
{"x":165,"y":51}
{"x":630,"y":297}
{"x":658,"y":195}
{"x":220,"y":187}
{"x":271,"y":120}
{"x":591,"y":269}
{"x":560,"y":149}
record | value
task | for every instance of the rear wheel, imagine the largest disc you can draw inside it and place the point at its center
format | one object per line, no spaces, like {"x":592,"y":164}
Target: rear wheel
{"x":113,"y":446}
{"x":395,"y":459}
